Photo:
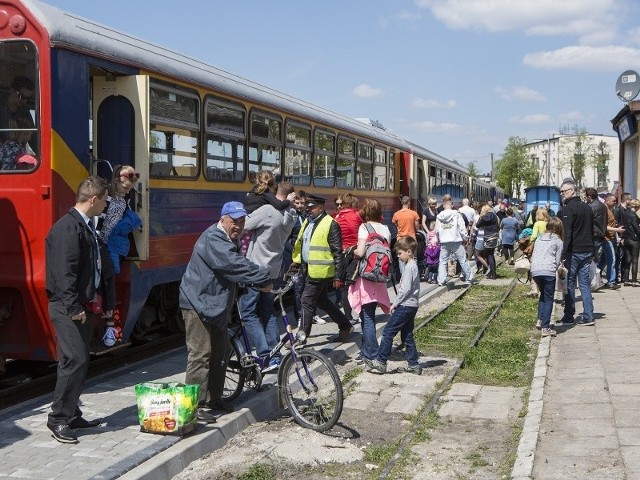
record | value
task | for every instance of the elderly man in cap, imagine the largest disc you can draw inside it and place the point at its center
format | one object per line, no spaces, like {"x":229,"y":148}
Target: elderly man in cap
{"x":319,"y":249}
{"x":207,"y":293}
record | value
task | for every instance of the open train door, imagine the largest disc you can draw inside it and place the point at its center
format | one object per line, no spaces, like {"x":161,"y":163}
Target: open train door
{"x":121,"y":136}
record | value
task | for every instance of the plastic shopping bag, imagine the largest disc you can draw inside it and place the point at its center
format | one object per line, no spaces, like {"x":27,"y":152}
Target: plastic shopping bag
{"x":594,"y":276}
{"x":562,"y":274}
{"x":169,"y":408}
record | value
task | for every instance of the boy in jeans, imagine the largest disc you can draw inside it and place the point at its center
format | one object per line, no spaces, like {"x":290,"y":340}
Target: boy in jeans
{"x":403,"y":311}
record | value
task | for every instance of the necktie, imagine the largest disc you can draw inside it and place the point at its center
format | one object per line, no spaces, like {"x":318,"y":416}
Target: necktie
{"x":97,"y":255}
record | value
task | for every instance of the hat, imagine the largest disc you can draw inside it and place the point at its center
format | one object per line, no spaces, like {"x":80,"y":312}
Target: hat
{"x":234,"y":209}
{"x":314,"y":200}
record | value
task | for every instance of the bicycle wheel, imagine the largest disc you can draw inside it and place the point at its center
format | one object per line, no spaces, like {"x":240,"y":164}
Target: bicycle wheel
{"x":311,"y":389}
{"x":235,"y":376}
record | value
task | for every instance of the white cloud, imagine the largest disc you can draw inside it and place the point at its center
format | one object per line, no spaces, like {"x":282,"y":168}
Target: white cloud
{"x":520,"y":93}
{"x":422,"y":103}
{"x":540,"y":17}
{"x":366,"y":91}
{"x":531,"y":119}
{"x":601,"y":59}
{"x":433,"y":127}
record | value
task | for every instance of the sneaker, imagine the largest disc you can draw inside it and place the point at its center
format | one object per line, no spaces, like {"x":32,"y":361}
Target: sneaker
{"x":343,"y":335}
{"x":414,"y":369}
{"x":205,"y":416}
{"x":402,"y":347}
{"x":512,"y":261}
{"x":586,"y":323}
{"x":538,"y":324}
{"x":359,"y":359}
{"x":376,"y":366}
{"x":319,"y":320}
{"x":614,"y":286}
{"x":274,"y":364}
{"x":547,"y":332}
{"x":110,"y":338}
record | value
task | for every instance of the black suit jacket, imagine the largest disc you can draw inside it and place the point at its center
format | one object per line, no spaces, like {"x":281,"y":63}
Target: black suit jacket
{"x":70,"y":251}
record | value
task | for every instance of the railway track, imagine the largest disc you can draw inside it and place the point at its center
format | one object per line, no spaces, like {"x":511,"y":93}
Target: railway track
{"x":457,"y":335}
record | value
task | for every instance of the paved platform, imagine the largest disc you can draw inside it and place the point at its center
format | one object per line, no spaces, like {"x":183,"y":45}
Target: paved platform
{"x":117,"y":449}
{"x":584,"y":408}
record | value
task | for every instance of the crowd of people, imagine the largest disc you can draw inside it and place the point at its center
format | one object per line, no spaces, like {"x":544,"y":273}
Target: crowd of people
{"x":276,"y":230}
{"x":17,"y":126}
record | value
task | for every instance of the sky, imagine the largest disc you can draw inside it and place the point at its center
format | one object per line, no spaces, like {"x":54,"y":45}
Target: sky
{"x":458,"y":77}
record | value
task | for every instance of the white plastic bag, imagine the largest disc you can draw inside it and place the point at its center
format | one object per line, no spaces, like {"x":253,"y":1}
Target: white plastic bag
{"x":562,"y":274}
{"x":594,"y":276}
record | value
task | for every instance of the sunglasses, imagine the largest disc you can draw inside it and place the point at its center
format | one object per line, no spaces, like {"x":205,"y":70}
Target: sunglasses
{"x":338,"y":204}
{"x":130,"y":176}
{"x":566,"y":190}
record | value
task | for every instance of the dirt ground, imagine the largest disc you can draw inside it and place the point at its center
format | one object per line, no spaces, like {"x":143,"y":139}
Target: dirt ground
{"x":456,"y":448}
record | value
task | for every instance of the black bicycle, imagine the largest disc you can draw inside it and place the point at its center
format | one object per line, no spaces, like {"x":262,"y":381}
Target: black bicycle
{"x":308,"y":382}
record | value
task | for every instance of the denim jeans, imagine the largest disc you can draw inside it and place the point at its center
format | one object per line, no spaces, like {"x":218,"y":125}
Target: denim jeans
{"x":262,"y":329}
{"x":446,"y":250}
{"x":547,"y":286}
{"x":369,"y":347}
{"x":401,"y":321}
{"x":578,"y":265}
{"x":607,"y":258}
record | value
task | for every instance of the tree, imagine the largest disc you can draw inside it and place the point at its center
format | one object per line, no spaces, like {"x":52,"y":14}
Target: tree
{"x":600,"y":163}
{"x":515,"y":169}
{"x":575,"y":154}
{"x":472,"y":169}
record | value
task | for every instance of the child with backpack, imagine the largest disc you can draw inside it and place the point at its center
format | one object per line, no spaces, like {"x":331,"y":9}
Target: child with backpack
{"x":369,"y":289}
{"x":403,"y":311}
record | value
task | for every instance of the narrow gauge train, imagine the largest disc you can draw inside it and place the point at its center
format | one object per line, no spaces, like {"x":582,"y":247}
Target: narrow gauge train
{"x":196,"y":134}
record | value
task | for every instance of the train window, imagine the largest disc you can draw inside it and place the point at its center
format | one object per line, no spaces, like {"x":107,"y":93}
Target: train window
{"x":392,"y":170}
{"x":171,"y":106}
{"x":379,"y":168}
{"x":173,"y":152}
{"x":174,"y":133}
{"x":225,"y":159}
{"x":324,"y":159}
{"x":345,"y":172}
{"x":265,"y":149}
{"x":225,"y":118}
{"x":19,"y":119}
{"x":363,"y":171}
{"x":297,"y":154}
{"x":225,"y":141}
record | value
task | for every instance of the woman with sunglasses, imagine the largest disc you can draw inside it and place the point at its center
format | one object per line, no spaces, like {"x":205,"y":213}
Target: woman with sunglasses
{"x":113,"y":228}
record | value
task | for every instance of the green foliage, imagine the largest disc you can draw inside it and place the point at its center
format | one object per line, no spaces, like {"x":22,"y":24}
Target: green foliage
{"x":472,"y":169}
{"x":259,"y":471}
{"x":515,"y":169}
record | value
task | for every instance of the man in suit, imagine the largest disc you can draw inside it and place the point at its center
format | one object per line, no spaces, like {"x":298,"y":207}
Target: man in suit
{"x":73,"y":277}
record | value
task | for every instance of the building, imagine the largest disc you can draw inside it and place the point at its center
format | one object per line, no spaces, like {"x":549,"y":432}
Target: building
{"x":590,"y":159}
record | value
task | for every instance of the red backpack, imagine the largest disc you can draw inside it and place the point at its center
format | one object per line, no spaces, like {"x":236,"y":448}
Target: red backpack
{"x":375,"y":264}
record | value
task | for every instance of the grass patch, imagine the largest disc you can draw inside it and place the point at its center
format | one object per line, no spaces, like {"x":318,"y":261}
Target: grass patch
{"x":505,"y":354}
{"x":351,"y":374}
{"x":259,"y":471}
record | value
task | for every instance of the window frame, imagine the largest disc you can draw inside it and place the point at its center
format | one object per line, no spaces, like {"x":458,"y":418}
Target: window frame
{"x":215,"y":134}
{"x":291,"y":146}
{"x":385,"y":163}
{"x":360,"y":160}
{"x":352,"y":158}
{"x":328,"y":153}
{"x":251,"y":140}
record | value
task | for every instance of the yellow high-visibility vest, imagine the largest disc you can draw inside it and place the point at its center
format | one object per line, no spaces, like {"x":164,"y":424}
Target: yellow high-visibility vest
{"x":321,"y":264}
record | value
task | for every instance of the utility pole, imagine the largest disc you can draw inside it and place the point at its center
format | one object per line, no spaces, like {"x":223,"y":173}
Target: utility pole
{"x":493,"y":175}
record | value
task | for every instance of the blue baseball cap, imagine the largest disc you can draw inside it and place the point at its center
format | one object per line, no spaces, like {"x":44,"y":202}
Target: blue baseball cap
{"x":234,"y":209}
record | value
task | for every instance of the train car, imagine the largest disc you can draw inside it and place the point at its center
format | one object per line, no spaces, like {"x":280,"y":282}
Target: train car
{"x":437,"y":176}
{"x":196,"y":134}
{"x":482,"y":191}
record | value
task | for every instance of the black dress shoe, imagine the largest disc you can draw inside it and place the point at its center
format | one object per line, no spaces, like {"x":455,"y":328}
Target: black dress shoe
{"x":221,"y":405}
{"x":206,"y":417}
{"x":62,"y":433}
{"x":80,"y":422}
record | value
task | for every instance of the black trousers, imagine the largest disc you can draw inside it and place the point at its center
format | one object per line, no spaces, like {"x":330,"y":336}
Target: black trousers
{"x":72,"y":340}
{"x":316,"y":294}
{"x":630,"y":262}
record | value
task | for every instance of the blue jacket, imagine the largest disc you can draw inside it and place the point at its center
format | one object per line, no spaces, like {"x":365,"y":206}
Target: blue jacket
{"x":118,"y":244}
{"x":209,"y":284}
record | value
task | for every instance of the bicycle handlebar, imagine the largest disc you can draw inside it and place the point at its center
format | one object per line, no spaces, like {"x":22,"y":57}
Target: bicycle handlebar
{"x":293,"y":278}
